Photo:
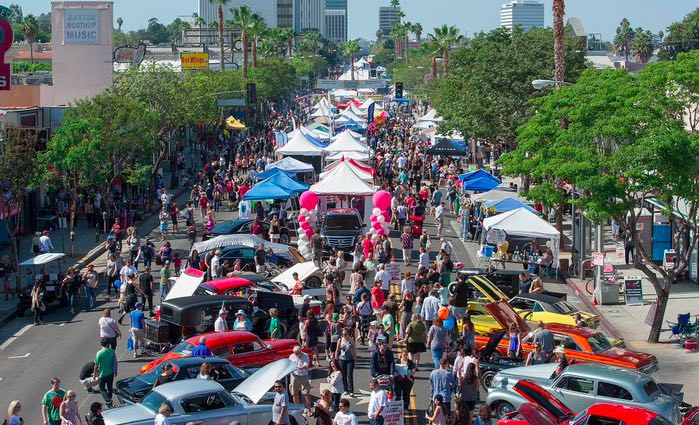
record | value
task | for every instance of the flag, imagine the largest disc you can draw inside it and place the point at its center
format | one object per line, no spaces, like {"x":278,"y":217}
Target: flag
{"x":370,"y":113}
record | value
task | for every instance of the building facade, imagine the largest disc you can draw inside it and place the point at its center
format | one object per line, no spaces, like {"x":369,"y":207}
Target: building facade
{"x":285,"y":13}
{"x":387,"y":16}
{"x":268,"y":9}
{"x":336,"y":20}
{"x":309,"y":15}
{"x":527,"y":14}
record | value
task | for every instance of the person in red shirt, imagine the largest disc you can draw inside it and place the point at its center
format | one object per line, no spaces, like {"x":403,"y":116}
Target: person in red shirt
{"x":203,"y":204}
{"x":298,"y":285}
{"x":424,"y":194}
{"x":377,"y":296}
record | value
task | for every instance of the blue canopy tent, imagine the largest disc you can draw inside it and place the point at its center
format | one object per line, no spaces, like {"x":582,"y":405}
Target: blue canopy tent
{"x":272,"y":172}
{"x":265,"y":190}
{"x":476,"y":174}
{"x":508,"y":204}
{"x":315,"y":141}
{"x":482,"y":184}
{"x":351,"y":125}
{"x":283,"y":180}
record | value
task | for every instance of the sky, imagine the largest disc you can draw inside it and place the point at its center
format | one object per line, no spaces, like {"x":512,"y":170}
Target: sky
{"x":470,"y":16}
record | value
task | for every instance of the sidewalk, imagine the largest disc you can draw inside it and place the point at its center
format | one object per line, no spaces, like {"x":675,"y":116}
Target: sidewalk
{"x":628,"y":322}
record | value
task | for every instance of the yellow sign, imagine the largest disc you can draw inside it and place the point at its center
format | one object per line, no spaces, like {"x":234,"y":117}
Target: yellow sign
{"x":199,"y":61}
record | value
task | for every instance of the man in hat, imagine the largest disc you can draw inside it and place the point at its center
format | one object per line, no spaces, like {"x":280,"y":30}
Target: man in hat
{"x":201,"y":350}
{"x":220,"y":324}
{"x":138,"y":326}
{"x":305,"y":307}
{"x":382,"y":360}
{"x":300,"y":382}
{"x":560,"y":357}
{"x":242,"y":323}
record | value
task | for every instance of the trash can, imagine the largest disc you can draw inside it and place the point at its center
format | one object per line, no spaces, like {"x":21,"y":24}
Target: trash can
{"x":607,"y":292}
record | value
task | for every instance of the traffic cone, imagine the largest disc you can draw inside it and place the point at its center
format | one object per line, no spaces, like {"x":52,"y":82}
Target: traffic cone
{"x":594,"y":299}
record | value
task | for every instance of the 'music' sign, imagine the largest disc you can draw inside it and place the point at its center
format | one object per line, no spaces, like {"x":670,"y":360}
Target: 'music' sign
{"x":81,"y":26}
{"x":6,"y":38}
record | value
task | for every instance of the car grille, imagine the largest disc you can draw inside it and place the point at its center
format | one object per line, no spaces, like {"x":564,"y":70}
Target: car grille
{"x":341,"y":241}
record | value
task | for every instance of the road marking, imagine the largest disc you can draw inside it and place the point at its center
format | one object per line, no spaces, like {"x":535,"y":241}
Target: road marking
{"x":20,"y":357}
{"x":11,"y":339}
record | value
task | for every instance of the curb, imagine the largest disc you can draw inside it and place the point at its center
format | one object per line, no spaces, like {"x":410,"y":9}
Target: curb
{"x":593,"y":308}
{"x":93,"y":254}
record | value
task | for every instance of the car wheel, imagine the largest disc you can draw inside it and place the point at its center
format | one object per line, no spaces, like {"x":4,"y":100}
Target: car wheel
{"x":487,"y":378}
{"x":284,"y":238}
{"x":503,"y":408}
{"x":313,"y":282}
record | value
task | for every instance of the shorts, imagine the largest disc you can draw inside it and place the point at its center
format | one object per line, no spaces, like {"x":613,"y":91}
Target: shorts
{"x":300,"y":384}
{"x":274,"y":236}
{"x":416,"y":347}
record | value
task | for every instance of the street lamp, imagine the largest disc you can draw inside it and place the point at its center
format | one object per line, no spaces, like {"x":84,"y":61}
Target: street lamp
{"x":542,"y":84}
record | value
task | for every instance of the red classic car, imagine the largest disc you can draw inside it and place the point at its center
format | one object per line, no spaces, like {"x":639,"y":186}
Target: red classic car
{"x":580,"y":344}
{"x":545,"y":409}
{"x":243,"y":349}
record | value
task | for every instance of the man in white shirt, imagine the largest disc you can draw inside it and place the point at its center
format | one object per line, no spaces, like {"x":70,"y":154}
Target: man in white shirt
{"x":430,"y":307}
{"x":344,"y":416}
{"x":446,"y":246}
{"x":220,"y":324}
{"x":385,"y":278}
{"x":439,"y":217}
{"x":127,"y":271}
{"x":215,"y":264}
{"x":377,"y":403}
{"x":299,"y":378}
{"x":45,"y":244}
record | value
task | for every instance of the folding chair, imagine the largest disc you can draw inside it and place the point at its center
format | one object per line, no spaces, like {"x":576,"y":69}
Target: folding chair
{"x":677,"y":328}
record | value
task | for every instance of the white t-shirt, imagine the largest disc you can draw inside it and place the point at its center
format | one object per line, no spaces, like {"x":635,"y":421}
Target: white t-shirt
{"x":345,"y":418}
{"x":425,"y":260}
{"x":385,"y":278}
{"x":301,"y":361}
{"x":161,"y":419}
{"x":438,"y":212}
{"x":215,"y":261}
{"x":220,"y":325}
{"x":407,"y":285}
{"x":127,"y":271}
{"x":377,"y":400}
{"x":108,"y":327}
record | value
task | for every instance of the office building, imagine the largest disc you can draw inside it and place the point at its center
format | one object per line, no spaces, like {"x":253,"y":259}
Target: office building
{"x":527,"y":14}
{"x":309,"y":15}
{"x":285,"y":13}
{"x":387,"y":16}
{"x":276,"y":13}
{"x":336,"y":20}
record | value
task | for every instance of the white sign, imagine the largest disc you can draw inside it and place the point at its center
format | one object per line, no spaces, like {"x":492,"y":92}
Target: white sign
{"x":393,"y":413}
{"x":496,"y":236}
{"x":598,"y":259}
{"x":81,"y":26}
{"x":393,"y":269}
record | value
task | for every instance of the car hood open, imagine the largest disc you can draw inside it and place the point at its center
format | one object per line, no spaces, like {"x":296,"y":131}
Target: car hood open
{"x":489,"y":290}
{"x":535,"y":414}
{"x":260,"y":382}
{"x":505,"y":315}
{"x":304,"y":270}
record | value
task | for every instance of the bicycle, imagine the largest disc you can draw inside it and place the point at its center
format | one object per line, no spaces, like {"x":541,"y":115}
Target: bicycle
{"x":587,"y":276}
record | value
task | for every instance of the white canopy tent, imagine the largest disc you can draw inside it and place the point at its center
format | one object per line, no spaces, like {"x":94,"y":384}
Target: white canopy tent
{"x":496,"y":195}
{"x":367,"y":177}
{"x":523,"y":223}
{"x":349,"y":115}
{"x":367,"y":103}
{"x":291,"y":165}
{"x":352,"y":133}
{"x":342,"y":180}
{"x":345,"y":142}
{"x":431,"y":115}
{"x":300,"y":145}
{"x":356,"y":110}
{"x":322,"y":112}
{"x":359,"y":156}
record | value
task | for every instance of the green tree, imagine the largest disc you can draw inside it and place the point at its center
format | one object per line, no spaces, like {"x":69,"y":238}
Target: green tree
{"x":312,"y":42}
{"x":219,"y":9}
{"x":625,"y":142}
{"x":258,"y":29}
{"x":243,"y":18}
{"x":18,"y":166}
{"x":350,"y":49}
{"x":156,"y":32}
{"x":682,"y":36}
{"x":288,"y":35}
{"x":398,"y":33}
{"x":30,"y":30}
{"x":417,"y":30}
{"x":445,"y":37}
{"x":623,"y":39}
{"x":275,"y":78}
{"x":120,"y":22}
{"x":642,"y":45}
{"x":175,"y":28}
{"x":197,"y":20}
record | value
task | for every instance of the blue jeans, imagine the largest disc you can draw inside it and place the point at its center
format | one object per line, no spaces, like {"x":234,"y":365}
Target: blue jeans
{"x":73,"y":300}
{"x":90,"y":296}
{"x":347,"y":370}
{"x":377,"y":421}
{"x":437,"y":354}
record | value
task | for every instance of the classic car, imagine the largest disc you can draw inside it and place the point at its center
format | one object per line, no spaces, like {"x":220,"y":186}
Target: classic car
{"x":246,"y":255}
{"x":506,"y":280}
{"x":579,"y":386}
{"x":532,"y":307}
{"x":244,"y":226}
{"x":132,"y":389}
{"x":491,"y":361}
{"x":204,"y":401}
{"x":581,"y":345}
{"x":243,"y":349}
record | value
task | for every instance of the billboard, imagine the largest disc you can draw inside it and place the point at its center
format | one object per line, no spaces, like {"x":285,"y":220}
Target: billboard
{"x":197,"y":61}
{"x":81,"y":26}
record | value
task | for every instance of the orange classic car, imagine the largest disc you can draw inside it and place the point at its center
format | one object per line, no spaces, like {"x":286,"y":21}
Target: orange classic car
{"x":580,"y":344}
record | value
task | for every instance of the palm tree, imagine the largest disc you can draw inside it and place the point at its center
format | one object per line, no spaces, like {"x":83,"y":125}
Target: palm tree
{"x":642,"y":46}
{"x":398,"y":34}
{"x":417,"y":30}
{"x":197,"y":20}
{"x":445,"y":37}
{"x":287,"y":36}
{"x":313,"y":41}
{"x":219,"y":5}
{"x":258,"y":28}
{"x":405,"y":42}
{"x":624,"y":37}
{"x":30,"y":30}
{"x":120,"y":22}
{"x":559,"y":10}
{"x":242,"y":19}
{"x":350,"y":48}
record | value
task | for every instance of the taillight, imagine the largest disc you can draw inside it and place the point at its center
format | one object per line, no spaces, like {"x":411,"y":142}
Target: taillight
{"x":316,"y":310}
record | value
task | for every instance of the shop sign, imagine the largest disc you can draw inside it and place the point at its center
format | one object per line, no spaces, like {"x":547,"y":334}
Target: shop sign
{"x":81,"y":26}
{"x":194,"y":61}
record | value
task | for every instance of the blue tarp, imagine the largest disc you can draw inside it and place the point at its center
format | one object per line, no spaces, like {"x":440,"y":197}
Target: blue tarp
{"x":315,"y":141}
{"x":482,"y":184}
{"x":477,"y":174}
{"x":265,"y":190}
{"x":508,"y":204}
{"x":271,"y":172}
{"x":283,"y":180}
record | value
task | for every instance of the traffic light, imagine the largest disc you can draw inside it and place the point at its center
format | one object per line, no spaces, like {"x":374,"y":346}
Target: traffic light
{"x":399,"y":90}
{"x":251,"y":93}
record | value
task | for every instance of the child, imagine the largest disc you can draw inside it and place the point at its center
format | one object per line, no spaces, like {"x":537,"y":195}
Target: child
{"x":275,"y":330}
{"x":177,"y":262}
{"x":424,"y":260}
{"x":417,"y":308}
{"x":438,"y":415}
{"x":373,"y":333}
{"x":237,"y":265}
{"x":210,"y":224}
{"x":515,"y":345}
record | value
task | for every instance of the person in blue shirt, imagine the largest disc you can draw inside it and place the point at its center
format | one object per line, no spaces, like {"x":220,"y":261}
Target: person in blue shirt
{"x":138,"y":326}
{"x":361,"y":289}
{"x":201,"y":350}
{"x":242,"y":323}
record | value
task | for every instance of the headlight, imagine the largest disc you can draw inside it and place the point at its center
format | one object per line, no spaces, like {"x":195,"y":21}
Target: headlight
{"x":495,"y":382}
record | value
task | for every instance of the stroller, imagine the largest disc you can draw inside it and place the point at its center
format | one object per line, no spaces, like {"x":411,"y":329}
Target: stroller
{"x":416,"y":223}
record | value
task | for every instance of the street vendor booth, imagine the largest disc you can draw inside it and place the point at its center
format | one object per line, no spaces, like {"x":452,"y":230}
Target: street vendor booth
{"x":302,"y":149}
{"x":365,"y":172}
{"x":340,"y":185}
{"x":446,"y":148}
{"x":518,"y":228}
{"x":267,"y":190}
{"x":346,"y":142}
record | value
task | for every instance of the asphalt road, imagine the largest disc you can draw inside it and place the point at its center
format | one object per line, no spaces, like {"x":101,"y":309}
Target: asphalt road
{"x":31,"y":355}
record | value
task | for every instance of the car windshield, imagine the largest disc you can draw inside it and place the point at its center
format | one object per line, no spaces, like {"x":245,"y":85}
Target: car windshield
{"x":342,"y":222}
{"x":651,"y":388}
{"x":150,"y":377}
{"x":599,"y":343}
{"x":183,"y":348}
{"x":270,"y":286}
{"x":153,"y":401}
{"x":564,"y":307}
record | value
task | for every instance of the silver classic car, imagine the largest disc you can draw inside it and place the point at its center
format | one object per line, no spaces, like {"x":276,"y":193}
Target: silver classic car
{"x":203,"y":401}
{"x":581,"y":385}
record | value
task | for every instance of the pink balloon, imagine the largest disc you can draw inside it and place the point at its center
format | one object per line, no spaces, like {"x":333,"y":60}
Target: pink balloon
{"x":302,"y":218}
{"x":309,"y":200}
{"x":373,"y":218}
{"x":309,"y":233}
{"x":376,"y":225}
{"x":382,"y":199}
{"x":305,"y":225}
{"x":381,"y":232}
{"x":386,"y":214}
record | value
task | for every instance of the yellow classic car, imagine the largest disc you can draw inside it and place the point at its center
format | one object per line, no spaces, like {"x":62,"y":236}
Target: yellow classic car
{"x":531,"y":307}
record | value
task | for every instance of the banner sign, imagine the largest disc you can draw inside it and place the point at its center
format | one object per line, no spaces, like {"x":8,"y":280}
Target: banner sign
{"x":393,"y":413}
{"x":633,"y":291}
{"x":194,"y":61}
{"x":6,"y":38}
{"x":325,"y":84}
{"x":81,"y":26}
{"x":393,"y":269}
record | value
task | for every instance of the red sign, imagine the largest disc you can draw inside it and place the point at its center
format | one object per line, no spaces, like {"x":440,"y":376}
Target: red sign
{"x":6,"y":37}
